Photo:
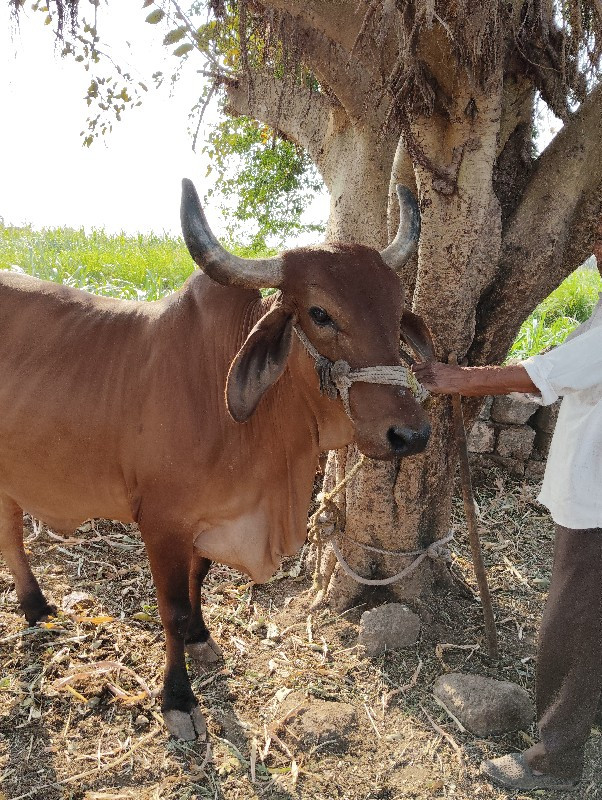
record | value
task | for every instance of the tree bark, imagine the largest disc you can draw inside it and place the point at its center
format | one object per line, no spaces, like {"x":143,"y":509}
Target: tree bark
{"x":550,"y":232}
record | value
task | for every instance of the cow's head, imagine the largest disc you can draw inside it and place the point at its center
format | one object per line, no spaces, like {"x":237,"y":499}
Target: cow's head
{"x":348,"y":301}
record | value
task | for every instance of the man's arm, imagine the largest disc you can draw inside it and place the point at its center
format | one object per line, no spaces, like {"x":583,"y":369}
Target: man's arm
{"x":474,"y":381}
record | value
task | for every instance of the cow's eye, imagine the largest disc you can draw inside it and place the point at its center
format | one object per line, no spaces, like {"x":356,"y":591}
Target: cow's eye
{"x":319,"y":316}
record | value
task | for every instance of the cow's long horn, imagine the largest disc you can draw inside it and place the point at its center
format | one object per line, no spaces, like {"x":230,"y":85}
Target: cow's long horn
{"x":401,"y":248}
{"x":213,"y":259}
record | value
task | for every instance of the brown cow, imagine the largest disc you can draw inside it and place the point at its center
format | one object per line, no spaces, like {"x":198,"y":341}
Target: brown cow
{"x":116,"y":409}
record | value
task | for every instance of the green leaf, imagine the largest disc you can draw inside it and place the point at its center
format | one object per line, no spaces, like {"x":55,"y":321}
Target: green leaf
{"x":173,"y":37}
{"x":155,"y":16}
{"x":143,"y":616}
{"x":183,"y":49}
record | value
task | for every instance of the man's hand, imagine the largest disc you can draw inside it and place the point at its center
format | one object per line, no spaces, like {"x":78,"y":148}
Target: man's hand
{"x":443,"y":378}
{"x":473,"y":381}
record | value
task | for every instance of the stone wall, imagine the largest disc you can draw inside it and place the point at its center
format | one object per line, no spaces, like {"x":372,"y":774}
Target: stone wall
{"x":514,"y":433}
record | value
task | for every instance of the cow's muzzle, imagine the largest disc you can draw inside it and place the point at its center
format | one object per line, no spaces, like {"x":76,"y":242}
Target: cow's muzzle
{"x":406,"y":441}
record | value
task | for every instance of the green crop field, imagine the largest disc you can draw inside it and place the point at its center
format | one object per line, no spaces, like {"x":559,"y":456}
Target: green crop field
{"x":146,"y":267}
{"x":142,"y":267}
{"x":553,"y":319}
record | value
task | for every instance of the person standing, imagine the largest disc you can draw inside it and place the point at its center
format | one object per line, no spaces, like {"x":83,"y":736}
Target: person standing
{"x":569,"y":658}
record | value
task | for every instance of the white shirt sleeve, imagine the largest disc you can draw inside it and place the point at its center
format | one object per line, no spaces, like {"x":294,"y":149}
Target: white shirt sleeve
{"x":574,"y":366}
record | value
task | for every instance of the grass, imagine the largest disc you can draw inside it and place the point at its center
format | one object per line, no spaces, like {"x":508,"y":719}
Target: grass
{"x":142,"y":267}
{"x":553,"y":319}
{"x":147,"y":267}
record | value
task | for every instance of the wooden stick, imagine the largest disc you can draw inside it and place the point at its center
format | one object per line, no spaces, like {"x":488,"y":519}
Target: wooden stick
{"x":471,"y":522}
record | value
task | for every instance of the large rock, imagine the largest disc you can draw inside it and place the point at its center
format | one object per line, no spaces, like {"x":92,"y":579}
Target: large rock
{"x":535,"y":470}
{"x":388,"y":627}
{"x":515,"y":442}
{"x":513,"y":409}
{"x":485,"y":706}
{"x":542,"y":443}
{"x":481,"y":438}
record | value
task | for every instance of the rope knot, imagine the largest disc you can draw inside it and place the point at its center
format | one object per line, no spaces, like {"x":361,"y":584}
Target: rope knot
{"x":438,"y":550}
{"x":324,"y":370}
{"x":339,"y":374}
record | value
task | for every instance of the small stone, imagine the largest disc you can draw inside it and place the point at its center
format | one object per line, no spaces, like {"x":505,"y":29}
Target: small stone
{"x":534,"y":470}
{"x":272,"y":631}
{"x":485,"y":412}
{"x":486,"y":707}
{"x":388,"y":627}
{"x":513,"y":409}
{"x":141,"y":721}
{"x":75,"y":600}
{"x":481,"y":438}
{"x":545,"y":417}
{"x":513,"y":466}
{"x":515,"y":442}
{"x":325,"y":723}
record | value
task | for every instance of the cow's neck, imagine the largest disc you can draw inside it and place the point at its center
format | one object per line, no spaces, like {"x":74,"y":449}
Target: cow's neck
{"x":263,"y":470}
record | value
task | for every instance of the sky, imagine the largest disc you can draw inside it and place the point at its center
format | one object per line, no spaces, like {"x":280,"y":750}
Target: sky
{"x":131,"y":179}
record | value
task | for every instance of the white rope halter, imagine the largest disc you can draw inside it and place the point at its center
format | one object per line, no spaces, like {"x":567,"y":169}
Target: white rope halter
{"x":337,"y":376}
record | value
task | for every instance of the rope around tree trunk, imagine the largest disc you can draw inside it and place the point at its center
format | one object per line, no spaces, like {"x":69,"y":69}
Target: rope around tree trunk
{"x":325,"y":524}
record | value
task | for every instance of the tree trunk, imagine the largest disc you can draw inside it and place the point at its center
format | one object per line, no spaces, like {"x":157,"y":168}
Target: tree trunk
{"x":403,"y":506}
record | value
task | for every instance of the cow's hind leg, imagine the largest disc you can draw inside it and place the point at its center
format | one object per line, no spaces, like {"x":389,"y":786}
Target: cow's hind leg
{"x":200,"y":646}
{"x":32,"y":601}
{"x":170,"y":559}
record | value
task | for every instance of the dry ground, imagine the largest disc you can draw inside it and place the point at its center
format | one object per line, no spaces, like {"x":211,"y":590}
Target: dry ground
{"x":77,"y":720}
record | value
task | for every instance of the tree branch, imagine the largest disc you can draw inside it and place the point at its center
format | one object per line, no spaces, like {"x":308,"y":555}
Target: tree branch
{"x":353,"y":76}
{"x":296,"y":111}
{"x":338,"y":20}
{"x":551,"y":232}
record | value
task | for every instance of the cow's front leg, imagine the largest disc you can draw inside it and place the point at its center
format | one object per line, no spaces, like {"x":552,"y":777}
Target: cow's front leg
{"x":200,"y":646}
{"x":170,"y":558}
{"x":32,"y":601}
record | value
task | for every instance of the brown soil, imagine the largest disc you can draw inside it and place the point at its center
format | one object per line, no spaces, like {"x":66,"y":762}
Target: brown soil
{"x":99,"y":735}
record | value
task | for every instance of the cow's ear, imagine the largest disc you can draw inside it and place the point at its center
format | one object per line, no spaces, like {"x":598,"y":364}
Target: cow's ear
{"x":415,"y":333}
{"x":259,"y":362}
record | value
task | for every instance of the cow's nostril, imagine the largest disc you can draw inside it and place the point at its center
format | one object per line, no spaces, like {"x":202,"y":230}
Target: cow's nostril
{"x":408,"y":441}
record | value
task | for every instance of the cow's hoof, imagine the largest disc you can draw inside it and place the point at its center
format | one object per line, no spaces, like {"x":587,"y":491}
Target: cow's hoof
{"x":186,"y":725}
{"x":40,"y":613}
{"x":204,"y":654}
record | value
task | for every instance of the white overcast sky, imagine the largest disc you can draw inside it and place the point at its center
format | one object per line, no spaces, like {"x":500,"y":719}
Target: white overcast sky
{"x":130,"y":180}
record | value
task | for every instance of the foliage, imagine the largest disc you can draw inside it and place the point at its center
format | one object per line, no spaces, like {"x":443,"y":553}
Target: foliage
{"x":112,"y":89}
{"x":553,"y":319}
{"x":140,"y":267}
{"x":129,"y":267}
{"x":262,"y":177}
{"x":269,"y":179}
